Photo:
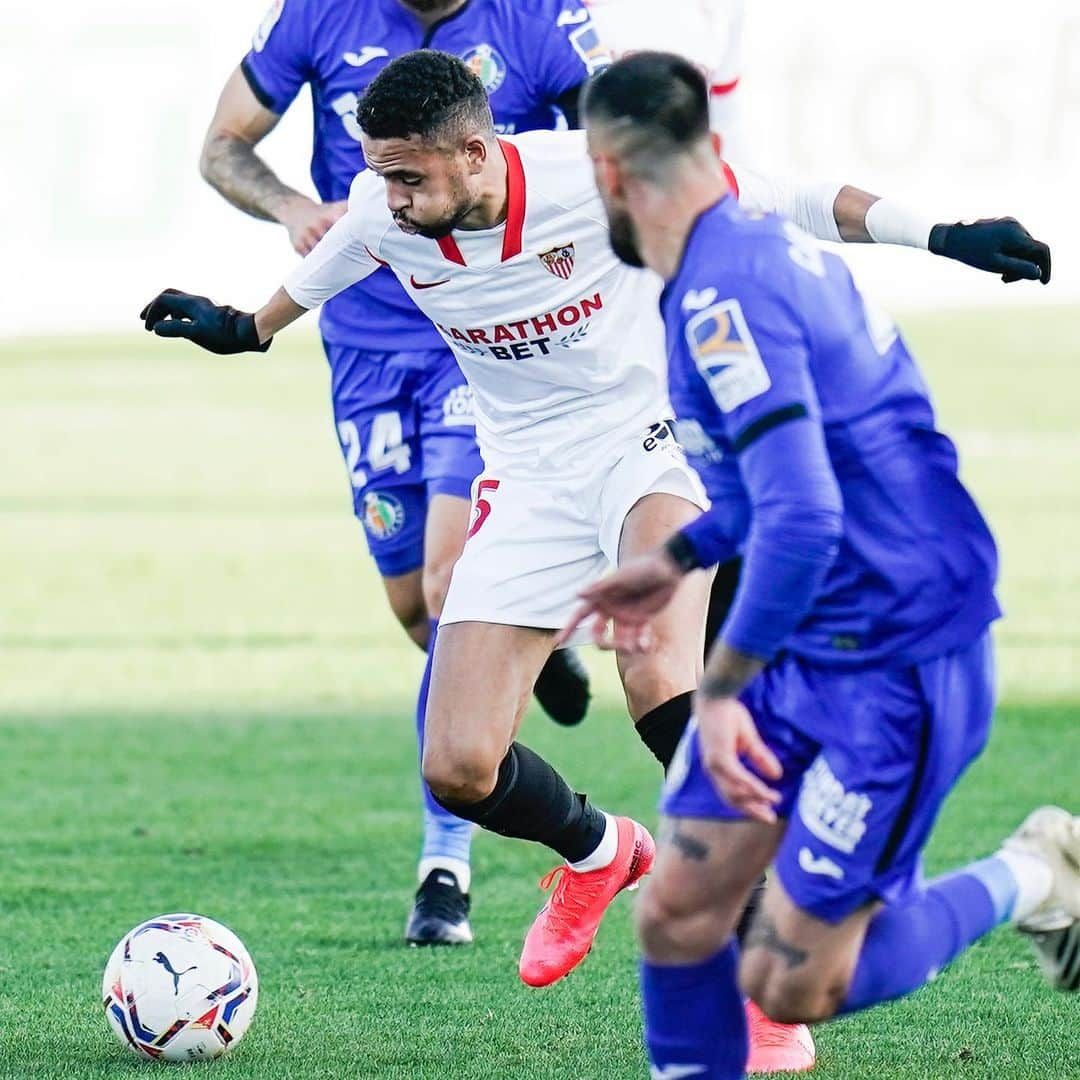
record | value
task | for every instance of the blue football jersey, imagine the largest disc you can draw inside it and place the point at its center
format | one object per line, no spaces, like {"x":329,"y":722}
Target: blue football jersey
{"x":527,"y":53}
{"x":765,"y":329}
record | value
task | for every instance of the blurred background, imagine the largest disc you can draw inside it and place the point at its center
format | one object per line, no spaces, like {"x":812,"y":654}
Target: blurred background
{"x":145,"y":482}
{"x":205,"y":703}
{"x":958,"y":113}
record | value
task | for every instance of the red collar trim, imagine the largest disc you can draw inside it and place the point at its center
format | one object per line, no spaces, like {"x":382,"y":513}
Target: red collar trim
{"x":515,"y":211}
{"x":515,"y":201}
{"x":381,"y":262}
{"x":448,"y":246}
{"x":729,"y":175}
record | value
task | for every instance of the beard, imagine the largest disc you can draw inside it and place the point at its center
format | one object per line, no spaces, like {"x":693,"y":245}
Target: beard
{"x":623,"y":237}
{"x":432,"y":230}
{"x":462,"y":205}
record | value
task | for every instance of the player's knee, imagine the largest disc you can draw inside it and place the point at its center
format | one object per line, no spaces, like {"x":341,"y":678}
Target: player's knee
{"x":655,"y":677}
{"x":436,"y":581}
{"x":671,"y":932}
{"x":790,"y":997}
{"x":411,"y":612}
{"x":457,"y":776}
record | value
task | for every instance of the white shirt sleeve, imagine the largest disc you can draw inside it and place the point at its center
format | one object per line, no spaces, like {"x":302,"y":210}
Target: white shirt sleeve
{"x":810,"y":206}
{"x":340,"y":259}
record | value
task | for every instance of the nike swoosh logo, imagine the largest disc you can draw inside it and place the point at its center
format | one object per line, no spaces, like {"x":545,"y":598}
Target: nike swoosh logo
{"x":676,"y":1072}
{"x":812,"y":864}
{"x":368,"y":52}
{"x":572,"y":18}
{"x":425,"y":284}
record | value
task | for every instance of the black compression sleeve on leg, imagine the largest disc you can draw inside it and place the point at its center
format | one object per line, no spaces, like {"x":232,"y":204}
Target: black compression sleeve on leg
{"x":721,"y":598}
{"x":531,"y":801}
{"x":663,"y":727}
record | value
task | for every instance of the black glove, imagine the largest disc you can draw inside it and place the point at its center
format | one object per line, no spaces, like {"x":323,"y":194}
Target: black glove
{"x":221,"y":330}
{"x":1001,"y":245}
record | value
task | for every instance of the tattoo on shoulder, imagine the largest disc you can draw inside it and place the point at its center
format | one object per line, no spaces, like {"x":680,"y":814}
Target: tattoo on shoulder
{"x":764,"y":935}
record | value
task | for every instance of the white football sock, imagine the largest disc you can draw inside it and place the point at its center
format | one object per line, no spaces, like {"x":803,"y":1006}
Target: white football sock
{"x":1034,"y":879}
{"x":458,"y":867}
{"x":605,"y":851}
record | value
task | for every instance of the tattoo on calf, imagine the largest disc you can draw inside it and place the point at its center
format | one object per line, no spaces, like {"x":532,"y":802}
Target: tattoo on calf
{"x":763,"y":934}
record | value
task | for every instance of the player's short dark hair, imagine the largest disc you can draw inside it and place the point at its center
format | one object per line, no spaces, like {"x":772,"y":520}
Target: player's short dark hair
{"x":426,"y":93}
{"x":658,"y":99}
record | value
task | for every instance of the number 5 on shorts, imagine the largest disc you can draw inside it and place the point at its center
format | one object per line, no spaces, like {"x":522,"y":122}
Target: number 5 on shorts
{"x":483,"y":507}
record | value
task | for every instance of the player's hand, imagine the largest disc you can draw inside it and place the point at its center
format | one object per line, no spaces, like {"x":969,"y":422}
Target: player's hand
{"x":308,"y":222}
{"x":219,"y":329}
{"x":1000,"y":245}
{"x":727,"y":735}
{"x":631,"y":596}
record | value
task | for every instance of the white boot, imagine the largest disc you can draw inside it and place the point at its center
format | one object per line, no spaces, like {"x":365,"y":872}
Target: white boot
{"x":1053,"y":928}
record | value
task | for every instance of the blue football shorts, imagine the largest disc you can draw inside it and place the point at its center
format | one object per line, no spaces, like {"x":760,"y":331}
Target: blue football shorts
{"x":868,"y":757}
{"x":405,"y":423}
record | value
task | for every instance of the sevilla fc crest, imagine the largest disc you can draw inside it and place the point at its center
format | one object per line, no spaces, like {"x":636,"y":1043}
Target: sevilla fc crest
{"x":559,"y":260}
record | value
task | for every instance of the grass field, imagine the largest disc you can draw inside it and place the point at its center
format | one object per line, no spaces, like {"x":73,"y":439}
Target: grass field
{"x":204,"y":705}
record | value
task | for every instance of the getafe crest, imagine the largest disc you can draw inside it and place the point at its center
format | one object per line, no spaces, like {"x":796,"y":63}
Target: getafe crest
{"x":559,"y":260}
{"x":384,"y":514}
{"x":487,"y":64}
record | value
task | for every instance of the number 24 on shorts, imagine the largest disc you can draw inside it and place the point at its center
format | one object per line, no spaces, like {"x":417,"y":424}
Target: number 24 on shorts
{"x":482,"y":507}
{"x":385,"y":449}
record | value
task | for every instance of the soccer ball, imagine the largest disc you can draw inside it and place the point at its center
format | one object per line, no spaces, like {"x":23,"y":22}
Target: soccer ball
{"x":180,"y":988}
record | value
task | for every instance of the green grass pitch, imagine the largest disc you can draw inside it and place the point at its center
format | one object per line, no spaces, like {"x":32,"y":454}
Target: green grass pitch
{"x":205,"y":705}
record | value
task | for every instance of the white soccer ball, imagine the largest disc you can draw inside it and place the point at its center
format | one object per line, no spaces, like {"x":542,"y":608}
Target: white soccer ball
{"x":180,"y":988}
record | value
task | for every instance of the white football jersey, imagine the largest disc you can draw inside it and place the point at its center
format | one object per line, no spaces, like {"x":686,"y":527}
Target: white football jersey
{"x":562,"y":343}
{"x":707,"y":32}
{"x":691,"y":28}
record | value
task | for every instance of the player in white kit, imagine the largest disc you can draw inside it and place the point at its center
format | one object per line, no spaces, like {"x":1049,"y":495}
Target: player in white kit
{"x":503,"y":243}
{"x":707,"y":32}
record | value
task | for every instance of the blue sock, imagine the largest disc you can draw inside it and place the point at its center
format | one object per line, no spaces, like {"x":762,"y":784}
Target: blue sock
{"x":445,"y":836}
{"x":695,"y":1016}
{"x":907,"y":945}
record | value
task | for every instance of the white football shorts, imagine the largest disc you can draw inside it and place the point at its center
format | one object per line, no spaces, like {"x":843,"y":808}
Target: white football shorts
{"x":534,"y":543}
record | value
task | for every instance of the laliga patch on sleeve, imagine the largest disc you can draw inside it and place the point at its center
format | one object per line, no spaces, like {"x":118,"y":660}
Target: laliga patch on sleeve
{"x":726,"y":355}
{"x":588,"y":46}
{"x":258,"y":42}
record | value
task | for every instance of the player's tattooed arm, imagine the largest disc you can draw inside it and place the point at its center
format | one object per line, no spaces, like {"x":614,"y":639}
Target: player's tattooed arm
{"x":727,"y":672}
{"x":229,"y":162}
{"x":764,"y":935}
{"x":231,"y":165}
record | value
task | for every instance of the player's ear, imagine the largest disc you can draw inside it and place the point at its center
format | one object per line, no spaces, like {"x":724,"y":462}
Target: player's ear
{"x":476,"y":153}
{"x":717,"y":143}
{"x":608,"y":175}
